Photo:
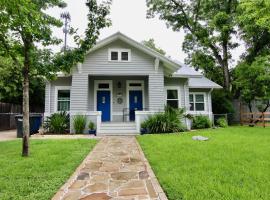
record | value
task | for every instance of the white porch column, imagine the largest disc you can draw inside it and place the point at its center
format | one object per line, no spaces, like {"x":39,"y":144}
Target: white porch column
{"x":156,"y":91}
{"x":79,"y":93}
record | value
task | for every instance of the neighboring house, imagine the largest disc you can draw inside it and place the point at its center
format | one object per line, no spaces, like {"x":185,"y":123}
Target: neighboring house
{"x":122,"y":82}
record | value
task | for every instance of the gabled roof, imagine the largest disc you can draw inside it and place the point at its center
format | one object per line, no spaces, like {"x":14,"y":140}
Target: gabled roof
{"x":202,"y":82}
{"x":171,"y":65}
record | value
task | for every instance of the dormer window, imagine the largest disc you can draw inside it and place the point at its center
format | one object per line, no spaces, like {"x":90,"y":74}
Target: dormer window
{"x":119,"y":55}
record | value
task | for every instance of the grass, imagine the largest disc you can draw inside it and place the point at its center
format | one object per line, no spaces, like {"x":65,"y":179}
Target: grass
{"x":233,"y":165}
{"x":39,"y":176}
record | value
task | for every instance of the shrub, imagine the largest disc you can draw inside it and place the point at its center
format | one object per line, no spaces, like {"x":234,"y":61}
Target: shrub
{"x":91,"y":126}
{"x":144,"y":124}
{"x":167,"y":122}
{"x":79,"y":123}
{"x":200,"y":122}
{"x":57,"y":123}
{"x":222,"y":122}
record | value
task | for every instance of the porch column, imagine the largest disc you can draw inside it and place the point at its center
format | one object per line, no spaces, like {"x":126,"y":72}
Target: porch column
{"x":79,"y":93}
{"x":156,"y":92}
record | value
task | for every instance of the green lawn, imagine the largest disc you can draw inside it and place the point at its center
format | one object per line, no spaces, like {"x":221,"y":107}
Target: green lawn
{"x":39,"y":176}
{"x":233,"y":165}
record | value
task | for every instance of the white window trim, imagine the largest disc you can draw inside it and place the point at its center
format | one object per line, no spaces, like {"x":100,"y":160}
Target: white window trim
{"x":132,"y":88}
{"x":96,"y":82}
{"x":194,"y":102}
{"x":57,"y":88}
{"x":119,"y":55}
{"x":178,"y":94}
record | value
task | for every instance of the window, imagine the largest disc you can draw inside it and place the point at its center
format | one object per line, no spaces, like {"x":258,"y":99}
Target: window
{"x":103,"y":85}
{"x":124,"y":56}
{"x":63,"y":100}
{"x":135,"y":85}
{"x":114,"y":55}
{"x":119,"y":55}
{"x":173,"y":98}
{"x":196,"y":102}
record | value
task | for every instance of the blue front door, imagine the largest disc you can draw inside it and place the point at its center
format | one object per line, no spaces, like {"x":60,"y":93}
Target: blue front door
{"x":135,"y":103}
{"x":104,"y":104}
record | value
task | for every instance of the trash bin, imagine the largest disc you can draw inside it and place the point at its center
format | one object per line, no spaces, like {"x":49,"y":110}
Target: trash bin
{"x":34,"y":120}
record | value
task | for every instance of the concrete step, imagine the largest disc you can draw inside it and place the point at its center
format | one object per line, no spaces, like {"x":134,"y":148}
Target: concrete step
{"x":118,"y":128}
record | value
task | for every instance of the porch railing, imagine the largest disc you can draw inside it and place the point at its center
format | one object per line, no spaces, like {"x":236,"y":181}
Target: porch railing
{"x":127,"y":112}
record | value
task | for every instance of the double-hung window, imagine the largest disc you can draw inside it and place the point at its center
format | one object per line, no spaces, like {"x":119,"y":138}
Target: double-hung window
{"x":197,"y":102}
{"x":63,"y":99}
{"x":172,"y":97}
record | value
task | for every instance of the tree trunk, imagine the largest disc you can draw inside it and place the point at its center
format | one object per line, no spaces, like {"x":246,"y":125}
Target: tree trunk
{"x":26,"y":127}
{"x":26,"y":124}
{"x":226,"y":74}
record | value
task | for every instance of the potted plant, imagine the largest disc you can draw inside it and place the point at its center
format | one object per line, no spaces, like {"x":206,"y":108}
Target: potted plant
{"x":144,"y":128}
{"x":91,"y":128}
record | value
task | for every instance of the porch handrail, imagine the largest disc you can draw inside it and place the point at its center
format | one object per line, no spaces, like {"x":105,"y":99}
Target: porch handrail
{"x":126,"y":112}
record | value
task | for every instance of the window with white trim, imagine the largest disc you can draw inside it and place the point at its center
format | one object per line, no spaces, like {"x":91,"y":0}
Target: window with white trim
{"x":119,"y":55}
{"x":172,"y":98}
{"x":197,"y":102}
{"x":63,"y":100}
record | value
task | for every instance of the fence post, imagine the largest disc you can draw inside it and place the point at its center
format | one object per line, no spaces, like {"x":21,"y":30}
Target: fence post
{"x":263,"y":120}
{"x":241,"y":120}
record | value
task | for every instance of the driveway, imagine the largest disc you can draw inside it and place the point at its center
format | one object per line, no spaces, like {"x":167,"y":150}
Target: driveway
{"x":8,"y":135}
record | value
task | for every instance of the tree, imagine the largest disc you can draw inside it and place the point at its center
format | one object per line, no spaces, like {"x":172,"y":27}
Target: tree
{"x":11,"y":82}
{"x":151,"y":44}
{"x":25,"y":25}
{"x":254,"y":21}
{"x":209,"y":26}
{"x":253,"y":82}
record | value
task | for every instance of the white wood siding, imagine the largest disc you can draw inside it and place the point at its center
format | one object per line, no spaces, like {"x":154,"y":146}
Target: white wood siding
{"x":50,"y":103}
{"x":79,"y":92}
{"x":96,"y":63}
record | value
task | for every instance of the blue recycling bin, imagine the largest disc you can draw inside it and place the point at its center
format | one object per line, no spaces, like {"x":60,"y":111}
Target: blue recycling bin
{"x":35,"y":122}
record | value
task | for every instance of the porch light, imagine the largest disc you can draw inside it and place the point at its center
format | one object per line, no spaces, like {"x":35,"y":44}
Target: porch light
{"x":119,"y":85}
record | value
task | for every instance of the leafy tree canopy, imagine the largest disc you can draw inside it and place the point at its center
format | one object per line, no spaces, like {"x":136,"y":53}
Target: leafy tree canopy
{"x":254,"y":21}
{"x":151,"y":44}
{"x":253,"y":80}
{"x":209,"y":26}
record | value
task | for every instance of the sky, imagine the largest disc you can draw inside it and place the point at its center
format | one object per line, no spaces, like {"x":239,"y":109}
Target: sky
{"x":129,"y":17}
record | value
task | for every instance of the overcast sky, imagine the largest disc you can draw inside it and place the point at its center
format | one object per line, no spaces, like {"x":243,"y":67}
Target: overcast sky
{"x":129,"y":17}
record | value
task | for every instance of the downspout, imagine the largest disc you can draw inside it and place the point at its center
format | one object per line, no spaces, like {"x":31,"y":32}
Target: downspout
{"x":185,"y":100}
{"x":49,"y":97}
{"x":210,"y":112}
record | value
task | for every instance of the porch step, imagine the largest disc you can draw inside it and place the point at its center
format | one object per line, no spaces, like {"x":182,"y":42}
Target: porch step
{"x":128,"y":128}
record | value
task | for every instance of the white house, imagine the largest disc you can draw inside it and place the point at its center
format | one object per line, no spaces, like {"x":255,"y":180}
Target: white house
{"x":122,"y":82}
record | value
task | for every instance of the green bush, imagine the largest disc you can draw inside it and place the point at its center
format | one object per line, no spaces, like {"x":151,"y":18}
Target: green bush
{"x":91,"y":126}
{"x":222,"y":122}
{"x":200,"y":122}
{"x":167,"y":122}
{"x":57,"y":123}
{"x":79,"y":123}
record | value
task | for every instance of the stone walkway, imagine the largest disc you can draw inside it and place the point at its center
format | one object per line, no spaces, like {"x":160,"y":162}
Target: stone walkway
{"x":116,"y":169}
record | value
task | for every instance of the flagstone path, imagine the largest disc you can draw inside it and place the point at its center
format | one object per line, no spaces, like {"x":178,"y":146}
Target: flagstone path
{"x":116,"y":169}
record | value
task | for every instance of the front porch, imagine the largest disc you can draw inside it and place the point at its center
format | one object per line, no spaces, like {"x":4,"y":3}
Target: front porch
{"x":118,"y":97}
{"x":116,"y":104}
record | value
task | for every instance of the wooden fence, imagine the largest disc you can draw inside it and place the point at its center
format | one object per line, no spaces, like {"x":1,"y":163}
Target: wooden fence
{"x":255,"y":118}
{"x":8,"y":112}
